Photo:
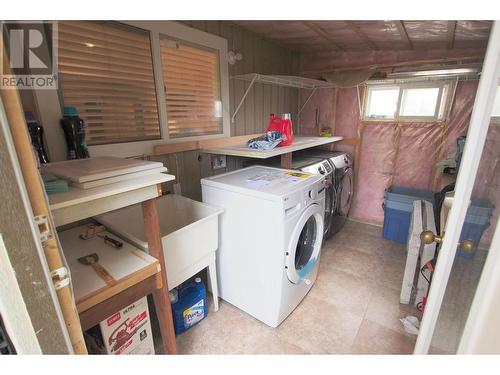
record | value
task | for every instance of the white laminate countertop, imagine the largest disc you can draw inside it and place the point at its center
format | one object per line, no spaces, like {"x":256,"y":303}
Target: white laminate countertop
{"x":299,"y":143}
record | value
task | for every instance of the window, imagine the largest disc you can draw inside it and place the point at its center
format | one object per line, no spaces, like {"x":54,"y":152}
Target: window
{"x":192,"y":88}
{"x":406,"y":102}
{"x":106,"y":72}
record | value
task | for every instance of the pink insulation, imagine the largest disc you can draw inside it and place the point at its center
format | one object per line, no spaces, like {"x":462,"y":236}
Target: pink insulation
{"x":322,"y":100}
{"x":375,"y":172}
{"x":487,"y":184}
{"x":418,"y":147}
{"x":411,"y":164}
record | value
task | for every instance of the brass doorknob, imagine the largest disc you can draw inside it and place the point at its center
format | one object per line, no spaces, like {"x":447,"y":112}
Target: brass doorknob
{"x":428,"y":237}
{"x":467,"y":245}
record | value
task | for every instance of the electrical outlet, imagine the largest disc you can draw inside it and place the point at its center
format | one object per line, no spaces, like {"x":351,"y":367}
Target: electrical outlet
{"x":218,"y":161}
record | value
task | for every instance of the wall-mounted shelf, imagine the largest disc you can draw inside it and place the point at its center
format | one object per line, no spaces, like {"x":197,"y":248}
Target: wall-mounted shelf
{"x":280,"y":80}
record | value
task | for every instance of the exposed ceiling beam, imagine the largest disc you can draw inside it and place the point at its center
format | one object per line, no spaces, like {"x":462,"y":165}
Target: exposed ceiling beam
{"x":319,"y":30}
{"x":361,"y":34}
{"x":404,"y":34}
{"x":452,"y":26}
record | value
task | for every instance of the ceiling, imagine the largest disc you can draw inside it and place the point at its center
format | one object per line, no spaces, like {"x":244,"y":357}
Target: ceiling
{"x":356,"y":36}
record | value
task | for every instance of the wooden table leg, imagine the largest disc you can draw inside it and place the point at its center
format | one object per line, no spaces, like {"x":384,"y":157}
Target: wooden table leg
{"x":162,"y":301}
{"x":286,"y":161}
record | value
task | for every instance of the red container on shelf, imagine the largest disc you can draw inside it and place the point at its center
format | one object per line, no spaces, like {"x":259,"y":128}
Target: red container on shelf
{"x":282,"y":124}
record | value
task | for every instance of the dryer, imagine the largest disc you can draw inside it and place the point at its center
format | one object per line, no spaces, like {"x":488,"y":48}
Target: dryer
{"x":270,"y":237}
{"x":343,"y":180}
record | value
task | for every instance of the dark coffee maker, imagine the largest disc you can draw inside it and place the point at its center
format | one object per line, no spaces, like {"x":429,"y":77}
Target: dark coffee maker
{"x":74,"y":131}
{"x":36,"y":135}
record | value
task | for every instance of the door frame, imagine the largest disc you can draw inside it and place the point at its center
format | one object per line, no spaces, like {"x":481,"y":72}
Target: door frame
{"x":476,"y":136}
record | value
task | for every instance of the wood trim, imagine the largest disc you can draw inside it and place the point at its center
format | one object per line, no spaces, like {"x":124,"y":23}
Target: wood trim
{"x":361,"y":34}
{"x":161,"y":298}
{"x":173,"y":148}
{"x":220,"y":142}
{"x":452,"y":26}
{"x":334,"y":110}
{"x":39,"y":204}
{"x":349,"y":141}
{"x":359,"y":133}
{"x":404,"y":34}
{"x":321,"y":32}
{"x":102,"y":310}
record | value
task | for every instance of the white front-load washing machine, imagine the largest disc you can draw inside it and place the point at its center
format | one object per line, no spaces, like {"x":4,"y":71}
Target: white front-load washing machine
{"x":270,"y":237}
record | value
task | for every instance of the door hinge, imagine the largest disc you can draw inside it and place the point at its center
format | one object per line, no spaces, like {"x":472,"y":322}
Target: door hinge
{"x":60,"y":277}
{"x":42,"y":222}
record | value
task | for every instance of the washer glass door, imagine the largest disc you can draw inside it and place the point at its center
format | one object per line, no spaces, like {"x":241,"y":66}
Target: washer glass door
{"x":329,"y":201}
{"x":305,"y":244}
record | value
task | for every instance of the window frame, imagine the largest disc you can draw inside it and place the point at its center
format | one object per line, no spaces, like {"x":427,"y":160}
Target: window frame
{"x":442,"y":85}
{"x":179,"y":31}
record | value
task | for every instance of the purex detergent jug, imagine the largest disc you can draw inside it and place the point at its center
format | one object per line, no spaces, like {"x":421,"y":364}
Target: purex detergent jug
{"x":282,"y":124}
{"x":191,"y":305}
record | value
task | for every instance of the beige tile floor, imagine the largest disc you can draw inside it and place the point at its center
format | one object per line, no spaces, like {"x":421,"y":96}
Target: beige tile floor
{"x":352,"y":308}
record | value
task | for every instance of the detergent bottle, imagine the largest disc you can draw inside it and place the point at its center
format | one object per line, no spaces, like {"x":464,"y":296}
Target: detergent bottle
{"x":287,"y":129}
{"x":282,"y":124}
{"x":190,"y":306}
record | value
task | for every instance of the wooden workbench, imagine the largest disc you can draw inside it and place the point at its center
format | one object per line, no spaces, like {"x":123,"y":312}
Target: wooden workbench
{"x":78,"y":204}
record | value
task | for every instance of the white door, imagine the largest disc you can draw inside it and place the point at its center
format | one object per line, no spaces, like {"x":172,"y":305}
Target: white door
{"x":456,"y":277}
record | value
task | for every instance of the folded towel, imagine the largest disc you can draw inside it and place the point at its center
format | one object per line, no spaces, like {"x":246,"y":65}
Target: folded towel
{"x":53,"y":184}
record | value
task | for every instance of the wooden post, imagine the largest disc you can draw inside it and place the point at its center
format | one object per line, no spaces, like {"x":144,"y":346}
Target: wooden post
{"x":286,"y":161}
{"x":334,"y":111}
{"x":40,"y":206}
{"x":162,"y":301}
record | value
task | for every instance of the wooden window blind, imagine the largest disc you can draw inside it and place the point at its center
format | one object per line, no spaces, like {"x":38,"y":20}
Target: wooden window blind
{"x":106,"y":72}
{"x":191,"y":77}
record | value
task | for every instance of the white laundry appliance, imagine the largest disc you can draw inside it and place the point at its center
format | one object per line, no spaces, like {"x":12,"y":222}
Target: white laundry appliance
{"x":270,"y":237}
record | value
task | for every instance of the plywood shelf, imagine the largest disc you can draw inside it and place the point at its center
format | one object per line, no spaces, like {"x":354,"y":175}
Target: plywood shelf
{"x":77,"y":204}
{"x":299,"y":143}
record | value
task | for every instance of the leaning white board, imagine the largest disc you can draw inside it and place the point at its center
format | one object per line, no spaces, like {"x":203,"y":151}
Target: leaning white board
{"x":422,"y":219}
{"x":91,"y":169}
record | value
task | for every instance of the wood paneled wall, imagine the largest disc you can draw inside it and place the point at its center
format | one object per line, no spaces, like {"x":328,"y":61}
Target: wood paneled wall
{"x":259,"y":56}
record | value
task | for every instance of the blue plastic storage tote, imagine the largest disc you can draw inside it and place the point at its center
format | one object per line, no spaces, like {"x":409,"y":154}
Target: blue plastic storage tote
{"x":191,"y":305}
{"x":404,"y":194}
{"x":398,"y":204}
{"x":397,"y":218}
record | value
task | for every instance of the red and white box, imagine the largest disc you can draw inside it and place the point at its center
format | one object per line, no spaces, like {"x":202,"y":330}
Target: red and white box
{"x":126,"y":332}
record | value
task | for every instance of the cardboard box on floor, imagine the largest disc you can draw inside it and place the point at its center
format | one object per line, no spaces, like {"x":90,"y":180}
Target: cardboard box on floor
{"x":126,"y":332}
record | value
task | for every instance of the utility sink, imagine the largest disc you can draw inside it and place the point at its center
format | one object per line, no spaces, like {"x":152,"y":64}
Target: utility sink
{"x":189,"y":232}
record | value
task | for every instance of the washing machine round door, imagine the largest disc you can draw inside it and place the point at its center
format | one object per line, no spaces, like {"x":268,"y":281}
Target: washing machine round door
{"x":305,"y":244}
